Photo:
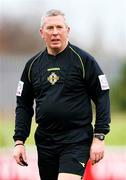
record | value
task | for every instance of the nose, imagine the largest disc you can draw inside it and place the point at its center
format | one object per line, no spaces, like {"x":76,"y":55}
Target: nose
{"x":55,"y":31}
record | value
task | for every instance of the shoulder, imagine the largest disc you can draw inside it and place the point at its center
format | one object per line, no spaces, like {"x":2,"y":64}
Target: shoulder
{"x":31,"y":62}
{"x":80,"y":52}
{"x":34,"y":58}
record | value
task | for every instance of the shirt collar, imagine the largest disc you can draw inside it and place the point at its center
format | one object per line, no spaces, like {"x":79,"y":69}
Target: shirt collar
{"x":62,"y":52}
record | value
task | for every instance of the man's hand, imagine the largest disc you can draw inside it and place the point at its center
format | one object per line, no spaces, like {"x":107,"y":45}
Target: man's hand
{"x":97,"y":150}
{"x":19,"y":154}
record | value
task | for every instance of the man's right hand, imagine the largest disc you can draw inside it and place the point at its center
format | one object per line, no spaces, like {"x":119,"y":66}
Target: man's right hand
{"x":19,"y":153}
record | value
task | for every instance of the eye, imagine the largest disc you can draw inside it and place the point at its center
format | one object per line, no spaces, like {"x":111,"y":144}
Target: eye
{"x":49,"y":28}
{"x":59,"y":27}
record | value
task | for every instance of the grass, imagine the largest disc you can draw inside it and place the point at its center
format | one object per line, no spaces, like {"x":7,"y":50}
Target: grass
{"x":117,"y":136}
{"x":7,"y":132}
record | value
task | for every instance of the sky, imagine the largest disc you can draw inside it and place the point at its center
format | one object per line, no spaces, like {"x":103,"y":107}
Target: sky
{"x":86,"y":17}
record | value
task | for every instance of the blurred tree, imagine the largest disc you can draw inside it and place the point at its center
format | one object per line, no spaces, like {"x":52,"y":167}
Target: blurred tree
{"x":119,"y":91}
{"x":18,"y":39}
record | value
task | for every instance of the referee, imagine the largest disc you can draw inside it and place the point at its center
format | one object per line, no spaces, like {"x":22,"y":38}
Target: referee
{"x":62,"y":80}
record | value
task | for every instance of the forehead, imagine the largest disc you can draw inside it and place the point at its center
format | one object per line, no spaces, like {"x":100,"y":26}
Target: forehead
{"x":54,"y":20}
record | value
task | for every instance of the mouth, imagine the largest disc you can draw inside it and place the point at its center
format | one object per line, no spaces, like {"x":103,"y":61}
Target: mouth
{"x":55,"y":41}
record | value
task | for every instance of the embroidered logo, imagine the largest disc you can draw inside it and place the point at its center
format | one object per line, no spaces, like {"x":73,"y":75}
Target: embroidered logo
{"x":53,"y":78}
{"x":19,"y":88}
{"x":83,"y":164}
{"x":103,"y":82}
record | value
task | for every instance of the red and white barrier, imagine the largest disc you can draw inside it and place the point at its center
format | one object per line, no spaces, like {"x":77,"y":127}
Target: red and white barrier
{"x":112,"y":167}
{"x":9,"y":170}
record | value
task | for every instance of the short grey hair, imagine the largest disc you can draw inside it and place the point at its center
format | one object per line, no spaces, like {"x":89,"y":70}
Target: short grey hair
{"x":52,"y":12}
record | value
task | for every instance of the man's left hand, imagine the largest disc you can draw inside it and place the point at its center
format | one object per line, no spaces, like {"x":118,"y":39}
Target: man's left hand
{"x":97,"y":150}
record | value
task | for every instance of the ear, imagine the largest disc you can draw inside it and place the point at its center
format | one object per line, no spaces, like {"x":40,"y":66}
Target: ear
{"x":41,"y":32}
{"x":68,"y":29}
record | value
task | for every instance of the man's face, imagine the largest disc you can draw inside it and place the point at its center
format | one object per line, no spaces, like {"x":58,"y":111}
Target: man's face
{"x":55,"y":33}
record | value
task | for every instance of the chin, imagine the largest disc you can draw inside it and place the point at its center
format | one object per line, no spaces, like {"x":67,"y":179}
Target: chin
{"x":56,"y":46}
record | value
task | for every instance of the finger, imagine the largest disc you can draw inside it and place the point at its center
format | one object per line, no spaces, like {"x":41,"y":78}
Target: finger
{"x":102,"y":155}
{"x":24,"y":157}
{"x":17,"y":157}
{"x":97,"y":157}
{"x":92,"y":156}
{"x":18,"y":160}
{"x":22,"y":162}
{"x":93,"y":162}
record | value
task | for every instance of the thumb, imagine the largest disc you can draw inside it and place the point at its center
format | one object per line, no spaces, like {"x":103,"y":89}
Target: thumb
{"x":24,"y":156}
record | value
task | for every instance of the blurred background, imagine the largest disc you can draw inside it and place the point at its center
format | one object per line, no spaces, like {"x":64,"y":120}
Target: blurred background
{"x":98,"y":27}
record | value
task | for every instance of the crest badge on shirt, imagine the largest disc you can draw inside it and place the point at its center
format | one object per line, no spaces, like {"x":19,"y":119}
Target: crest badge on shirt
{"x":19,"y":88}
{"x":103,"y":82}
{"x":53,"y":78}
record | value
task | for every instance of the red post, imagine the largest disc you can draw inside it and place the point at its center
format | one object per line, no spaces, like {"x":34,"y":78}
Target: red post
{"x":88,"y":173}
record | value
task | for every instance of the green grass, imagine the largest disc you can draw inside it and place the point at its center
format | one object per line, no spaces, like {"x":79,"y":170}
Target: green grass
{"x":7,"y":132}
{"x":117,"y":135}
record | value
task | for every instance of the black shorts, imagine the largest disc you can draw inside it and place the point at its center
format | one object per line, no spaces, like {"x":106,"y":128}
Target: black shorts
{"x":62,"y":158}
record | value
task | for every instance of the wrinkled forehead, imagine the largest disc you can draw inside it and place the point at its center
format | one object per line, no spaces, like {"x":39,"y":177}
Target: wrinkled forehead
{"x":54,"y":20}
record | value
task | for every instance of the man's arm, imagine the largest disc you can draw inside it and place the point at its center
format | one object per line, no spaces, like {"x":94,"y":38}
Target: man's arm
{"x":101,"y":127}
{"x":24,"y":113}
{"x":24,"y":108}
{"x":98,"y":89}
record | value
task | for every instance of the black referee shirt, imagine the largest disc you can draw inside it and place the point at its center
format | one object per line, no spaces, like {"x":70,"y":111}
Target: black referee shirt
{"x":62,"y":87}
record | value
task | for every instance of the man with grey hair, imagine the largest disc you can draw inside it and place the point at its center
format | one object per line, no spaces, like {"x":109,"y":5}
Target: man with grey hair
{"x":62,"y":79}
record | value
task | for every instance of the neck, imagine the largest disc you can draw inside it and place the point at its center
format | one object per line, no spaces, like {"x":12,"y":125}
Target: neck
{"x":56,"y":50}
